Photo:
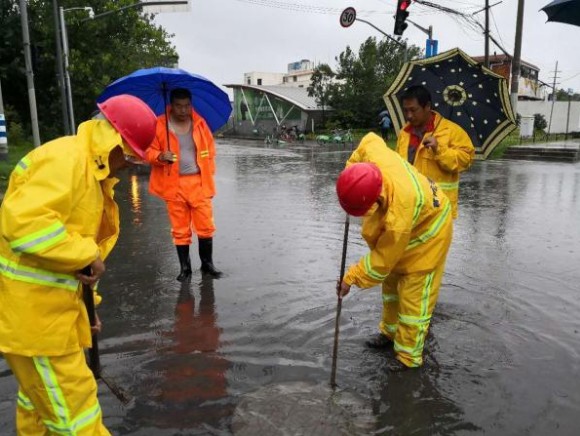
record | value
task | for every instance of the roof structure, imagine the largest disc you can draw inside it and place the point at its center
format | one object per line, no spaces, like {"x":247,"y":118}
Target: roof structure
{"x":294,"y":95}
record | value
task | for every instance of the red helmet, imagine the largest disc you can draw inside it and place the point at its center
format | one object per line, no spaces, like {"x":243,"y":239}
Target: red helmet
{"x":133,"y":119}
{"x":358,"y":187}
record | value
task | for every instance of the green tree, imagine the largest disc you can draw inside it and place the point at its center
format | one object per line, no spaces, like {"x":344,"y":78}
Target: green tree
{"x":101,"y":51}
{"x":540,"y":122}
{"x":363,"y":78}
{"x":320,"y":87}
{"x":565,"y":95}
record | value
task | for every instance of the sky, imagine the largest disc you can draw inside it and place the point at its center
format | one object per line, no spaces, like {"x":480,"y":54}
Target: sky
{"x":223,"y":39}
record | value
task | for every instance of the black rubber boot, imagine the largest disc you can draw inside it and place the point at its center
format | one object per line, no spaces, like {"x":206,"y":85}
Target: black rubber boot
{"x":184,"y":262}
{"x":205,"y":254}
{"x":379,"y":341}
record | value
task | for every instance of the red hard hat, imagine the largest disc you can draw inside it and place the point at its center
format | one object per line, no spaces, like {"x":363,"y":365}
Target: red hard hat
{"x":358,"y":187}
{"x":133,"y":119}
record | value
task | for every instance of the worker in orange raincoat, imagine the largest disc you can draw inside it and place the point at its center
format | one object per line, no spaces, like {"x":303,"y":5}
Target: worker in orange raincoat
{"x":407,"y":225}
{"x":437,"y":147}
{"x":58,"y":217}
{"x":182,"y":157}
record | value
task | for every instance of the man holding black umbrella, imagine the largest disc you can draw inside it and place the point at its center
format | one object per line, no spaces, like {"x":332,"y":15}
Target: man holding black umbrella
{"x":182,"y":157}
{"x":437,"y":147}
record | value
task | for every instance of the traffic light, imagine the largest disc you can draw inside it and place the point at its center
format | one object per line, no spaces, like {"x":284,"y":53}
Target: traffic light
{"x":402,"y":14}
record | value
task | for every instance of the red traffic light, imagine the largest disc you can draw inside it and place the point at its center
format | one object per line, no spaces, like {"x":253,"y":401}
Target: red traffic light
{"x":401,"y":16}
{"x":403,"y":5}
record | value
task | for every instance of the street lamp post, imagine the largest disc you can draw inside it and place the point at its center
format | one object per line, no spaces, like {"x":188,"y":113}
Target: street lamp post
{"x":403,"y":45}
{"x":65,"y":55}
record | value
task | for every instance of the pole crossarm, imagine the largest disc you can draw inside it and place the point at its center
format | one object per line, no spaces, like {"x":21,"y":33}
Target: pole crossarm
{"x":423,"y":29}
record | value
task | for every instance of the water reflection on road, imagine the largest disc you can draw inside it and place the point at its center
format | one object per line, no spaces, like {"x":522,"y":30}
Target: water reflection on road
{"x":502,"y":356}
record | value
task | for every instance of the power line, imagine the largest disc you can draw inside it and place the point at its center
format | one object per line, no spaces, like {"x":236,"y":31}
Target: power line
{"x":301,"y":7}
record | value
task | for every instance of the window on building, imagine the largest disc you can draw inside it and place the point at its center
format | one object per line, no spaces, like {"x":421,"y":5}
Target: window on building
{"x":295,"y":79}
{"x":259,"y":81}
{"x":249,"y":81}
{"x":284,"y":79}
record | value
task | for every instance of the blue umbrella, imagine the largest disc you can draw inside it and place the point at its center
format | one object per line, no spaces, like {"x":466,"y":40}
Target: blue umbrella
{"x":153,"y":85}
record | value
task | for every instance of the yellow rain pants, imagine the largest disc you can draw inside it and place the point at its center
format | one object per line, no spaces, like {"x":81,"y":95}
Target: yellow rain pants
{"x":57,"y":396}
{"x":408,"y":303}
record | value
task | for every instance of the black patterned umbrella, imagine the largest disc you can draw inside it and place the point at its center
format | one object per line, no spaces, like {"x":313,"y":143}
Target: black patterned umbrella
{"x":563,"y":11}
{"x":463,"y":91}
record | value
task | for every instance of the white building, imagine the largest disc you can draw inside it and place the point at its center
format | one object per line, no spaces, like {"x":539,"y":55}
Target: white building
{"x":297,"y":76}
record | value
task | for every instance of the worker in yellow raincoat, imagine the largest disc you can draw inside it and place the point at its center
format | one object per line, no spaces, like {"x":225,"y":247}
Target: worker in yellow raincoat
{"x":437,"y":147}
{"x":407,"y":225}
{"x":58,"y":217}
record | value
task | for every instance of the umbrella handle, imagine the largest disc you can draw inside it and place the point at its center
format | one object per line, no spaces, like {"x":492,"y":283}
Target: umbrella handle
{"x":164,"y":89}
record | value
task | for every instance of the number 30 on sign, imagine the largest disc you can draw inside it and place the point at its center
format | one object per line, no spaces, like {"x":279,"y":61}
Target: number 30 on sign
{"x":347,"y":17}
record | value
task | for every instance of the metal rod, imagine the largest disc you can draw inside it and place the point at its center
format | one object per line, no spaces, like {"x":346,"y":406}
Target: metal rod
{"x":136,"y":5}
{"x":94,"y":359}
{"x":339,"y":303}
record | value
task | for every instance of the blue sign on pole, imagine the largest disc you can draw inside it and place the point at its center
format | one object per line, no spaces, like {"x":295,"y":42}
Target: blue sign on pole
{"x":431,"y":48}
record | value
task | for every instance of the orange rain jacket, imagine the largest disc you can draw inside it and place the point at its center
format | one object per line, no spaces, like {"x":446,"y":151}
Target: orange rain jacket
{"x":455,"y":153}
{"x":165,"y":176}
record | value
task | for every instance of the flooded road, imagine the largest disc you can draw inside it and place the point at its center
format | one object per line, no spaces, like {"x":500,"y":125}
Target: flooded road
{"x":502,"y":358}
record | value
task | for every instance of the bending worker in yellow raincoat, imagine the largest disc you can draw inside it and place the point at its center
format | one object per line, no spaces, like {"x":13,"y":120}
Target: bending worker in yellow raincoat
{"x":407,"y":225}
{"x":58,"y":217}
{"x":437,"y":147}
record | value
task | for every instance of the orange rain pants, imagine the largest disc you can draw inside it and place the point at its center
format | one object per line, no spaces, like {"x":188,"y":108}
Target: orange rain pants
{"x":57,"y":396}
{"x":408,"y":303}
{"x":191,"y":211}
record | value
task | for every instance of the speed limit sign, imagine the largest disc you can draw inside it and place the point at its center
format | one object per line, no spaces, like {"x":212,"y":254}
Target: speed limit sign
{"x":347,"y":17}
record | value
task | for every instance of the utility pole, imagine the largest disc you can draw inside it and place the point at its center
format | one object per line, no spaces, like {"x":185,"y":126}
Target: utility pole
{"x":553,"y":96}
{"x":517,"y":57}
{"x":486,"y":32}
{"x":3,"y":131}
{"x":29,"y":73}
{"x":486,"y":59}
{"x":59,"y":69}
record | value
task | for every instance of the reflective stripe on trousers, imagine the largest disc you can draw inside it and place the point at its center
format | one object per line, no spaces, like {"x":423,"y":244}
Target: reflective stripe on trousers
{"x":57,"y":394}
{"x":408,"y":303}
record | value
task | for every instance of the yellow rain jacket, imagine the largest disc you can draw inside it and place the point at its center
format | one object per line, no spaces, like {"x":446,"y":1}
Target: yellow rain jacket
{"x":411,"y":230}
{"x":455,"y":153}
{"x":57,"y":216}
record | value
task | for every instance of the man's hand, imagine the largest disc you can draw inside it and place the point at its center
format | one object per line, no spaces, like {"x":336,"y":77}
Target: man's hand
{"x":167,"y":156}
{"x":98,"y":325}
{"x":97,"y":270}
{"x":342,"y":289}
{"x":431,"y":143}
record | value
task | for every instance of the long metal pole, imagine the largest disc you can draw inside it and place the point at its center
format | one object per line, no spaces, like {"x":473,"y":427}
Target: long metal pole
{"x":3,"y":130}
{"x":486,"y":59}
{"x":29,"y":73}
{"x":59,"y":67}
{"x":339,"y":303}
{"x":553,"y":99}
{"x":517,"y":56}
{"x":568,"y":117}
{"x":71,"y":111}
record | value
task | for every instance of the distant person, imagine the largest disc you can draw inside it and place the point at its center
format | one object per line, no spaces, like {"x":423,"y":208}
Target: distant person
{"x":243,"y":110}
{"x":385,"y":125}
{"x":437,"y":147}
{"x":407,"y":226}
{"x":58,"y":217}
{"x":182,"y":174}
